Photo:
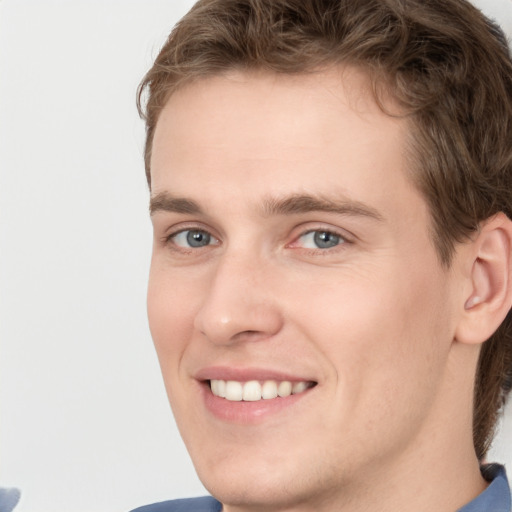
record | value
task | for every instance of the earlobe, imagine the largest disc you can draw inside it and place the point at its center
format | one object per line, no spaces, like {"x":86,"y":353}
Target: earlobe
{"x":490,"y":296}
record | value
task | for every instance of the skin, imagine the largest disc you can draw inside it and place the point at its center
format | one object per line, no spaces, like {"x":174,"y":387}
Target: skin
{"x":372,"y":320}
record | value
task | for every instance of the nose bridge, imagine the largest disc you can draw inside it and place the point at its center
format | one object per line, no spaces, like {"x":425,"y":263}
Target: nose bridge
{"x":238,"y":303}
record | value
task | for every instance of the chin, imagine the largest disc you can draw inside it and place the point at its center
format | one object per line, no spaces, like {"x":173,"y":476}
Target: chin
{"x":272,"y":482}
{"x":257,"y":492}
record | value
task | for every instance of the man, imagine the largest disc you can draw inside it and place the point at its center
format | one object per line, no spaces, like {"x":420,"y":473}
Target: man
{"x":330,"y":287}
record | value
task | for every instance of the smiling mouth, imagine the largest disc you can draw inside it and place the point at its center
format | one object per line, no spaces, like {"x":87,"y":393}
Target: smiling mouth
{"x":254,"y":391}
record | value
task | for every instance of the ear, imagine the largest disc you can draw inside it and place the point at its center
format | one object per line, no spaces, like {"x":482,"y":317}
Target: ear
{"x":488,"y":296}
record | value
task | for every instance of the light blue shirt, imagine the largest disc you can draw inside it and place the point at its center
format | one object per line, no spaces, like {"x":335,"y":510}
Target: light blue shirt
{"x":9,"y":498}
{"x":496,"y":498}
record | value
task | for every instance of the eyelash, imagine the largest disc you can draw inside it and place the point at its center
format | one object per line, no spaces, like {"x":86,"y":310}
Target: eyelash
{"x":342,"y":240}
{"x":171,"y":238}
{"x":339,"y":239}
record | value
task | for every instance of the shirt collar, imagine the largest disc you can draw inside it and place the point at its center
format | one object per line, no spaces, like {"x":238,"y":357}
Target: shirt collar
{"x":496,"y":497}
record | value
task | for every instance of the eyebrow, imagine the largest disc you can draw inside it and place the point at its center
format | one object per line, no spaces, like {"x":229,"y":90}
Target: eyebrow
{"x":290,"y":205}
{"x":167,"y":203}
{"x":304,"y":203}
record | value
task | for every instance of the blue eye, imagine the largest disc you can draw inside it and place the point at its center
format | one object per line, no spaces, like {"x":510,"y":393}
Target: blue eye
{"x":320,"y":240}
{"x":193,"y":238}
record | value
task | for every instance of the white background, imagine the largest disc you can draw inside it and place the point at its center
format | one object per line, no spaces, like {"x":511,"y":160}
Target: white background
{"x":85,"y":425}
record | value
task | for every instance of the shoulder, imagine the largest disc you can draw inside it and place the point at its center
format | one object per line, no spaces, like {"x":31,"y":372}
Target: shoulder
{"x":204,"y":504}
{"x":9,"y":498}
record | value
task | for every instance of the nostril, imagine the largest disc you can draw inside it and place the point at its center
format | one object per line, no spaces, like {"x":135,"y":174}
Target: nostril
{"x":251,"y":336}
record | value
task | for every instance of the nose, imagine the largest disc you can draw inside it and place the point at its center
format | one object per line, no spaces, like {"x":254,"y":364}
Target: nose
{"x":240,"y":303}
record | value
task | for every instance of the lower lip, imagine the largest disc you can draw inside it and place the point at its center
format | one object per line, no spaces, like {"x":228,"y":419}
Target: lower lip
{"x":247,"y":412}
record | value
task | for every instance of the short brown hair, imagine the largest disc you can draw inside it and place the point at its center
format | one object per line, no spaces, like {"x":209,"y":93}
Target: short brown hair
{"x":442,"y":60}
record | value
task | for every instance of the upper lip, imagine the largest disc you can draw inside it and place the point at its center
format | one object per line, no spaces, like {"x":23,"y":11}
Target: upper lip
{"x":247,"y":374}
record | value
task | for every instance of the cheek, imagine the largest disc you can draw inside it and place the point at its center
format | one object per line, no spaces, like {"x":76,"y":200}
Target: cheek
{"x":170,"y":314}
{"x":385,"y":336}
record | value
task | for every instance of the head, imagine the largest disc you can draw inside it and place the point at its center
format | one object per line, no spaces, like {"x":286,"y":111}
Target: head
{"x":439,"y":70}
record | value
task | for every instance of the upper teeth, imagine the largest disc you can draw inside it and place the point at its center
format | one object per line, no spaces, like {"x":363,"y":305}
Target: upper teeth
{"x":253,"y":390}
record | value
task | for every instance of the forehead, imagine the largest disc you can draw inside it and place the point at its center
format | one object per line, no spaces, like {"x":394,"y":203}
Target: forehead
{"x":269,"y":109}
{"x":321,"y":132}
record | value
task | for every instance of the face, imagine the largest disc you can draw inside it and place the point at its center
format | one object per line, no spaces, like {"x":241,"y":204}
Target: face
{"x":294,"y":294}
